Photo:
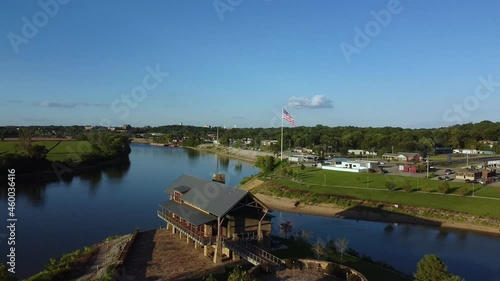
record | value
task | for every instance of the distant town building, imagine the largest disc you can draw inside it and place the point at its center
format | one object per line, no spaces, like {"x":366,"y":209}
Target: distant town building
{"x":268,"y":142}
{"x":361,"y":152}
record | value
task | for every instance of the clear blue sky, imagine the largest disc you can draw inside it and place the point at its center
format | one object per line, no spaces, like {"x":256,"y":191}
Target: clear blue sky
{"x":239,"y":66}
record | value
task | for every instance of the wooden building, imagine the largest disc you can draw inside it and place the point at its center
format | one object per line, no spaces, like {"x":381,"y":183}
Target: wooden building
{"x":468,"y":174}
{"x":214,"y":215}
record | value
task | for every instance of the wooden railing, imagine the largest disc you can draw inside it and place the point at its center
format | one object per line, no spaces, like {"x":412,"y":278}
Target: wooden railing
{"x":192,"y":233}
{"x":261,"y":253}
{"x":252,"y":235}
{"x":241,"y":251}
{"x":251,"y":253}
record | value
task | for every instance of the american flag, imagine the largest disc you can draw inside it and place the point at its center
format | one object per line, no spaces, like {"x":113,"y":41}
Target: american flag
{"x":288,"y":117}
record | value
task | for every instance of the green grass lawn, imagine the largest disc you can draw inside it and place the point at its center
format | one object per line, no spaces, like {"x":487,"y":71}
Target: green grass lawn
{"x":372,"y":187}
{"x":444,"y":157}
{"x":298,"y":249}
{"x":8,"y":146}
{"x":69,"y":150}
{"x":58,"y":151}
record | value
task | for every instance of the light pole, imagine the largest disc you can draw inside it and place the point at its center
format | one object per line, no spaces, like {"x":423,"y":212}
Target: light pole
{"x":427,"y":160}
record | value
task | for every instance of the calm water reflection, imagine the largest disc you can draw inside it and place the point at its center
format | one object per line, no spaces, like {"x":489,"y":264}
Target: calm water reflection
{"x":471,"y":255}
{"x":59,"y":217}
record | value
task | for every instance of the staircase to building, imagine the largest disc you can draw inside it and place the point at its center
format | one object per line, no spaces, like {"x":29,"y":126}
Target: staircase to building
{"x":252,"y":253}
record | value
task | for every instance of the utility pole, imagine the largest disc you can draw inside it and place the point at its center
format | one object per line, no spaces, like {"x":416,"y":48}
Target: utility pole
{"x":427,"y":160}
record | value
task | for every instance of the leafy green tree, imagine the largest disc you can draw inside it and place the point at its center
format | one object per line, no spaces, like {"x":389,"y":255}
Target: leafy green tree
{"x":276,"y":149}
{"x":407,"y":186}
{"x":426,"y":188}
{"x":463,"y":190}
{"x":431,"y":268}
{"x":391,"y":185}
{"x":444,"y":187}
{"x":265,"y":163}
{"x":26,"y":140}
{"x":302,"y":167}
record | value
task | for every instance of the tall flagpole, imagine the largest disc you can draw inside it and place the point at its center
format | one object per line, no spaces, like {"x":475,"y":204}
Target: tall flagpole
{"x":282,"y":134}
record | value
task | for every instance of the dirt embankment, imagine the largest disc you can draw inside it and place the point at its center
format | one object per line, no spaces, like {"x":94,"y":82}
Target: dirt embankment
{"x":235,"y":153}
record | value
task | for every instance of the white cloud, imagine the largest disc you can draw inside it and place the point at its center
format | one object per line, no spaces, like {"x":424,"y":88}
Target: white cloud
{"x":317,"y":101}
{"x":55,"y":104}
{"x":66,"y":105}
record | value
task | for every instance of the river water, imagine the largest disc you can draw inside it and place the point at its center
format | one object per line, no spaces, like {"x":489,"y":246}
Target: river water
{"x":60,"y":217}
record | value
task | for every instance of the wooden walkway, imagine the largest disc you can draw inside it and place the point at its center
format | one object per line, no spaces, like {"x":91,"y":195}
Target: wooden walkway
{"x":251,"y":253}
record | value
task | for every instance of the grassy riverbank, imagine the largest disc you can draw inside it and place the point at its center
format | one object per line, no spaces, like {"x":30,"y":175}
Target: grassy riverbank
{"x":57,"y":150}
{"x":365,"y":197}
{"x":485,"y":202}
{"x":46,"y":159}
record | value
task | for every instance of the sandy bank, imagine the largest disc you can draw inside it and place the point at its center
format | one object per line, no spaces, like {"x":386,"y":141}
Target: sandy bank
{"x":234,"y":153}
{"x":367,"y":214}
{"x":328,"y":210}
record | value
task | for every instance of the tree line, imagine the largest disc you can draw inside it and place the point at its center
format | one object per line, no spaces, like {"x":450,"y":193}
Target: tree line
{"x":340,"y":139}
{"x":335,"y":139}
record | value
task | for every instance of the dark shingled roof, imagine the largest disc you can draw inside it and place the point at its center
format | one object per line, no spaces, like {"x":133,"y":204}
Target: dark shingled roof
{"x":190,"y":214}
{"x":214,"y":197}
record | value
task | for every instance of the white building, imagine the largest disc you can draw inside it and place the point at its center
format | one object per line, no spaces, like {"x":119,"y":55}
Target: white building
{"x":494,"y":163}
{"x":302,"y":158}
{"x":361,"y":152}
{"x":346,"y":166}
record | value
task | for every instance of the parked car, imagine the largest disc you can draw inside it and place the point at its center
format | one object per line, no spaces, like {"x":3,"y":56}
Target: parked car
{"x":440,"y":178}
{"x":495,"y":178}
{"x":482,"y":181}
{"x":448,"y":178}
{"x":449,"y":172}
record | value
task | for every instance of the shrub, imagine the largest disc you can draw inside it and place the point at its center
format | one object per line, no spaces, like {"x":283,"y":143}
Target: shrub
{"x":390,"y":185}
{"x":444,"y":188}
{"x":407,"y":186}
